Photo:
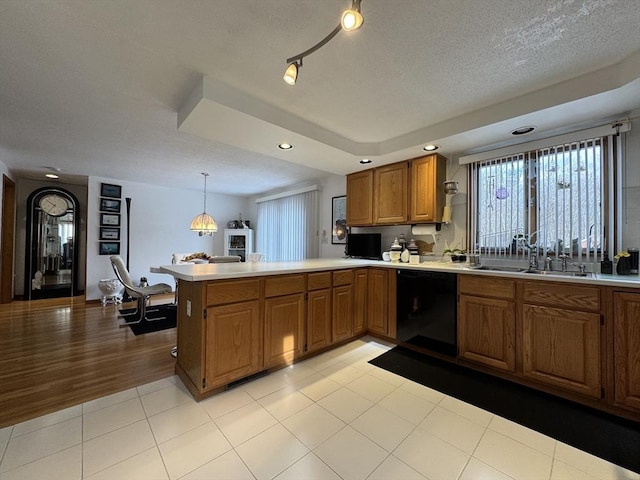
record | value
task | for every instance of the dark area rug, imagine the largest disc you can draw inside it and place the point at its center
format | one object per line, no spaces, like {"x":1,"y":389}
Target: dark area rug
{"x":151,"y":325}
{"x":606,"y":436}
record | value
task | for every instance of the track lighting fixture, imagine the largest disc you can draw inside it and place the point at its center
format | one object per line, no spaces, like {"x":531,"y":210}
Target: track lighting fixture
{"x":351,"y":20}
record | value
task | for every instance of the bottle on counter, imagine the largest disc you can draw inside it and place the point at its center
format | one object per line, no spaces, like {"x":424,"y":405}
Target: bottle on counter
{"x":606,"y":265}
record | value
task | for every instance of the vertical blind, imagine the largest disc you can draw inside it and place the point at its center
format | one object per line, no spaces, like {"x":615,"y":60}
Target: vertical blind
{"x":550,"y":199}
{"x":288,"y":227}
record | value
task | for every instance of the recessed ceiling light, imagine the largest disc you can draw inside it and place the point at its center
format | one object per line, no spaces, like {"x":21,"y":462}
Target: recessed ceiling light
{"x":365,"y":161}
{"x":285,"y":146}
{"x":430,"y":148}
{"x":523,"y":130}
{"x":51,"y":175}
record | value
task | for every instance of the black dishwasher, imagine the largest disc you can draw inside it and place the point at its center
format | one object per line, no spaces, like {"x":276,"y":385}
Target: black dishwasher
{"x":427,"y":310}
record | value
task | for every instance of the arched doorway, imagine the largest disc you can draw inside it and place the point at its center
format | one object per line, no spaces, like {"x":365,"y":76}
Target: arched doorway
{"x":51,"y":263}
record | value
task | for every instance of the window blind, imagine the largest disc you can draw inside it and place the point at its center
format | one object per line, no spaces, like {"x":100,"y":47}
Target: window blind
{"x":552,"y":199}
{"x":288,"y":227}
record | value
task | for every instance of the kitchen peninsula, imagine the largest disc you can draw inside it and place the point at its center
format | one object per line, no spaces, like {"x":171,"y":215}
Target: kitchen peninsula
{"x":577,"y":337}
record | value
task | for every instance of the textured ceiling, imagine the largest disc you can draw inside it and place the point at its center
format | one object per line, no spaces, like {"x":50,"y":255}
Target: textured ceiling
{"x":94,"y":88}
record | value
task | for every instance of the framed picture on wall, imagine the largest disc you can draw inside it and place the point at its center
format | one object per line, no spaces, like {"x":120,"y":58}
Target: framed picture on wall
{"x":109,"y":190}
{"x":109,"y":248}
{"x":110,"y":219}
{"x":339,"y":220}
{"x":109,"y":233}
{"x":109,"y":205}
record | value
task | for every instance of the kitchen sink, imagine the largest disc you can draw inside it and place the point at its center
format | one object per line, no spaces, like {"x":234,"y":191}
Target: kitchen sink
{"x":501,"y":269}
{"x":535,"y":272}
{"x":559,"y":274}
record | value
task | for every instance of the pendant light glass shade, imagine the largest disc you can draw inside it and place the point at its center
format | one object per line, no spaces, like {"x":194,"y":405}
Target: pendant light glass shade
{"x":204,"y":223}
{"x":291,"y":74}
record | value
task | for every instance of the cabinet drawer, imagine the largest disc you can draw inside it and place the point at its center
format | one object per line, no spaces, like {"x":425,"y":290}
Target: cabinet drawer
{"x":220,"y":293}
{"x":317,"y":281}
{"x":284,"y":285}
{"x":342,"y":277}
{"x":563,"y":295}
{"x":486,"y":286}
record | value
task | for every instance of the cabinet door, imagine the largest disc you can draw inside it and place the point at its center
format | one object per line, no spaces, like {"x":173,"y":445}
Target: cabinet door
{"x":562,"y":347}
{"x":342,"y":308}
{"x":626,"y":349}
{"x":318,"y":319}
{"x":486,"y":331}
{"x":378,"y":301}
{"x":233,"y":343}
{"x":360,"y":198}
{"x":427,"y":188}
{"x":391,"y":194}
{"x":283,"y":329}
{"x":360,"y":300}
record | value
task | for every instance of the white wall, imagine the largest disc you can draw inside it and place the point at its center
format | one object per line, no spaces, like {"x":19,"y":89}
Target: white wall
{"x":631,"y":187}
{"x":3,"y":171}
{"x":332,"y":186}
{"x":160,"y":219}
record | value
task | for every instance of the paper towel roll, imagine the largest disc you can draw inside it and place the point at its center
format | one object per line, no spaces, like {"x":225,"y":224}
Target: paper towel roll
{"x":424,"y":230}
{"x":446,"y":214}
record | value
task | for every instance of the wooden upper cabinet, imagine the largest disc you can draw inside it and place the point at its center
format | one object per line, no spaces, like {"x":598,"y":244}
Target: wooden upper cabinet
{"x":360,"y":198}
{"x":427,"y":188}
{"x":391,"y":194}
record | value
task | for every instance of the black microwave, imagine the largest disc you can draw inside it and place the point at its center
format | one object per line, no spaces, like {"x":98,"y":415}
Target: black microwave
{"x":364,"y":245}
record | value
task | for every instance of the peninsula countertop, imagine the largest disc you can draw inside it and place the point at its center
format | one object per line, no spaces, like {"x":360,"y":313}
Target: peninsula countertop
{"x":220,"y":271}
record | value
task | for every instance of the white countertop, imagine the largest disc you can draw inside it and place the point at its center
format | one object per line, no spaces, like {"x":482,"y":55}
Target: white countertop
{"x":218,"y":271}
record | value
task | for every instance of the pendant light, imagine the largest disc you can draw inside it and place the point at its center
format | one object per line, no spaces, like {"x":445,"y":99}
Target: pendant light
{"x":204,"y":223}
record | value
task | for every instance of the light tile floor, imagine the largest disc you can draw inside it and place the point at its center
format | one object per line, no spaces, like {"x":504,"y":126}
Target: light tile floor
{"x":334,"y":416}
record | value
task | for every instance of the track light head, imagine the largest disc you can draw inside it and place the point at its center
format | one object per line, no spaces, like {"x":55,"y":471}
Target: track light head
{"x":291,"y":73}
{"x":352,"y":19}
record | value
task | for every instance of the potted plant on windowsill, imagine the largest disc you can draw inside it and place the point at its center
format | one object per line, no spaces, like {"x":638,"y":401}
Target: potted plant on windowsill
{"x":456,"y":254}
{"x":623,"y":267}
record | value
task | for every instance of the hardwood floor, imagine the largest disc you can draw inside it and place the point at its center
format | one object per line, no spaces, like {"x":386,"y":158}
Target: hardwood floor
{"x":56,"y":353}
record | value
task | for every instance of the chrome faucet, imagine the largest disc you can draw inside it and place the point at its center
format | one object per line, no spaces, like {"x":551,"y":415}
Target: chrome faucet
{"x":548,"y":264}
{"x":565,"y":258}
{"x":533,"y":257}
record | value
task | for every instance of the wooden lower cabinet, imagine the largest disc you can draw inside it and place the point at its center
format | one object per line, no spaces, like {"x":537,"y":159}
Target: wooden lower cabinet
{"x":378,"y":301}
{"x":360,"y":282}
{"x":342,"y":305}
{"x":342,"y":309}
{"x":487,"y":331}
{"x":561,"y":347}
{"x":283,"y":329}
{"x":318,"y":319}
{"x":234,"y":343}
{"x":626,"y":348}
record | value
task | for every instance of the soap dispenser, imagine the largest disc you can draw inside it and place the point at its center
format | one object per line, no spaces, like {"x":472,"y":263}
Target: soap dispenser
{"x":606,"y":265}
